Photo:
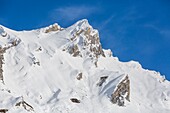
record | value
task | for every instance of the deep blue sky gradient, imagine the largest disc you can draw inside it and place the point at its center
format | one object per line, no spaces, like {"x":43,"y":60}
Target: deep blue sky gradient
{"x":133,"y":29}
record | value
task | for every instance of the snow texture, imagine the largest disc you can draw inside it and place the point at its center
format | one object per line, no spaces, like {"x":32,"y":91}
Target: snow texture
{"x":65,"y":70}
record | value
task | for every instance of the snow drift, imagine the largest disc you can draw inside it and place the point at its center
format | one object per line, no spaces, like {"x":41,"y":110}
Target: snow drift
{"x":65,"y":70}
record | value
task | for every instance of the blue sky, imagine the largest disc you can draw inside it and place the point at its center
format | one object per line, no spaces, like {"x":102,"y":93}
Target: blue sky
{"x":133,"y":29}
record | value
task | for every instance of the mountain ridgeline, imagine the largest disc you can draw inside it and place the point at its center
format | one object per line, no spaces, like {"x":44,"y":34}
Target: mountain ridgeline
{"x":66,"y":70}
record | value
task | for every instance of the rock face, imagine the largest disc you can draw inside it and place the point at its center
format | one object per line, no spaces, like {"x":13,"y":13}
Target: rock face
{"x":25,"y":105}
{"x":54,"y":27}
{"x":3,"y":110}
{"x":80,"y":76}
{"x":1,"y":62}
{"x":74,"y":100}
{"x":122,"y":92}
{"x":85,"y":41}
{"x":102,"y":80}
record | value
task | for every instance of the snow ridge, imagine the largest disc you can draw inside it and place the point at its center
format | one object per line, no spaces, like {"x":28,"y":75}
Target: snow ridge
{"x":65,"y":70}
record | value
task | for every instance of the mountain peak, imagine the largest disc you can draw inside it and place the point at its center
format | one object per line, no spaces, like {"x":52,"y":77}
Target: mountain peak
{"x":84,"y":41}
{"x":82,"y":23}
{"x":56,"y":70}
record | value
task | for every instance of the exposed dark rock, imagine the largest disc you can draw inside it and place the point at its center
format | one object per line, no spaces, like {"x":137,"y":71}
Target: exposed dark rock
{"x":90,"y":43}
{"x":79,"y":32}
{"x":14,"y":43}
{"x":25,"y":105}
{"x":3,"y":110}
{"x":95,"y":63}
{"x":79,"y":77}
{"x":74,"y":100}
{"x":93,"y":41}
{"x":122,"y":92}
{"x":74,"y":51}
{"x":2,"y":51}
{"x":39,"y":49}
{"x":38,"y":63}
{"x":102,"y":80}
{"x":1,"y":62}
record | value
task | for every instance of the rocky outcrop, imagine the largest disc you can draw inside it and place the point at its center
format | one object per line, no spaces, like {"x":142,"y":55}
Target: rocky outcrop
{"x":54,"y":27}
{"x":122,"y":92}
{"x":93,"y":41}
{"x":74,"y":100}
{"x":2,"y":51}
{"x":102,"y":80}
{"x":25,"y":105}
{"x":85,"y":42}
{"x":74,"y":50}
{"x":3,"y":110}
{"x":80,"y":76}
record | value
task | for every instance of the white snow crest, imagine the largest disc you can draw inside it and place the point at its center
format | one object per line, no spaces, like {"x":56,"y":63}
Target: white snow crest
{"x":56,"y":70}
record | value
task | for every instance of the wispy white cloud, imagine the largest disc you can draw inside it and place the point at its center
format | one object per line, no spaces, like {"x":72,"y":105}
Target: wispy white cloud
{"x":106,"y":22}
{"x":164,"y":32}
{"x":67,"y":15}
{"x":152,"y":27}
{"x":71,"y":13}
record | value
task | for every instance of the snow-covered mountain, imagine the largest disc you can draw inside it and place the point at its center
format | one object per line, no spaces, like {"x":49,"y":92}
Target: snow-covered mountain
{"x":65,"y":70}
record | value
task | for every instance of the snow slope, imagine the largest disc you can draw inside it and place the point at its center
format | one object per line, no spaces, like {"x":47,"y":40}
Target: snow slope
{"x":60,"y":70}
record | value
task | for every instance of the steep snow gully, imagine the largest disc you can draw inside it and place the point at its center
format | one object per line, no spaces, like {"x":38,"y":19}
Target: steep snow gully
{"x":65,"y":70}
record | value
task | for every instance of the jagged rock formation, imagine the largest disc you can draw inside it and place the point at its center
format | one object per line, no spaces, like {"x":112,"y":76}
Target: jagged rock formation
{"x":85,"y":41}
{"x":122,"y":92}
{"x":25,"y":105}
{"x":54,"y":27}
{"x":1,"y":62}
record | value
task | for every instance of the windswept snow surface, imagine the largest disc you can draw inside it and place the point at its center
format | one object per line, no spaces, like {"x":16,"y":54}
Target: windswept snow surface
{"x":41,"y":72}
